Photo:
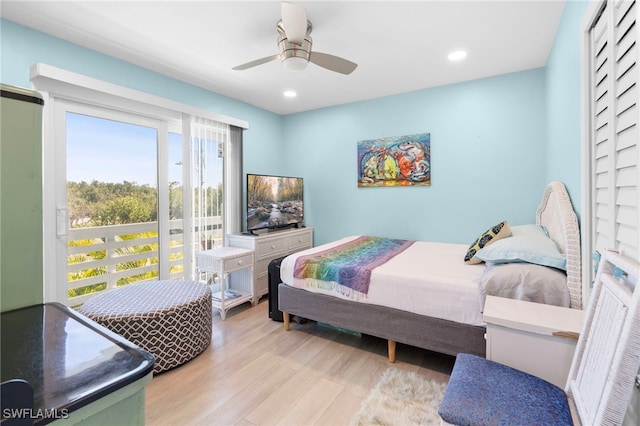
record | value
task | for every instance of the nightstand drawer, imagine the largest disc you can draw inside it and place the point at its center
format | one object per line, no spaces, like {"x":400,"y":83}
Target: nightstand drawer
{"x":238,"y":263}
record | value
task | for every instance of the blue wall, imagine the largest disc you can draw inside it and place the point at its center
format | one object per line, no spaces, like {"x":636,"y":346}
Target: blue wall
{"x":496,"y":142}
{"x":22,"y":47}
{"x":487,"y":152}
{"x":563,"y":103}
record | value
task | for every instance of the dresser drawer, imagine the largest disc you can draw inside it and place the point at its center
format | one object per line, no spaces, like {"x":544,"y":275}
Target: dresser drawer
{"x":269,"y":248}
{"x":262,"y":285}
{"x":262,"y":265}
{"x":238,"y":263}
{"x":298,"y":242}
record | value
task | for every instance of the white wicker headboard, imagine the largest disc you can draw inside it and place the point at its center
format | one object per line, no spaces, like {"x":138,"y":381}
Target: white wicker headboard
{"x":556,"y":214}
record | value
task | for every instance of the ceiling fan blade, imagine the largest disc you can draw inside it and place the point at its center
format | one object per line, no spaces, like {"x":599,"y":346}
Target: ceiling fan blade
{"x":333,"y":63}
{"x":256,"y":62}
{"x":294,"y":21}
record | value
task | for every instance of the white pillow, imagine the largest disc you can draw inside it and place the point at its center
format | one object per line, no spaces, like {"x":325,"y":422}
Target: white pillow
{"x":525,"y":281}
{"x":527,"y":244}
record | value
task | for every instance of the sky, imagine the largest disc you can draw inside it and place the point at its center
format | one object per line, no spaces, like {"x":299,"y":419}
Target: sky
{"x":112,"y":151}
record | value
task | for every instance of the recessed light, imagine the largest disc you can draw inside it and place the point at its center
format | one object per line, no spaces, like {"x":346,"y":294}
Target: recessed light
{"x":290,"y":94}
{"x":457,"y":55}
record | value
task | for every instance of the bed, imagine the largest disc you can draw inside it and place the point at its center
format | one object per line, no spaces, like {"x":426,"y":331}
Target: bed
{"x":449,"y":323}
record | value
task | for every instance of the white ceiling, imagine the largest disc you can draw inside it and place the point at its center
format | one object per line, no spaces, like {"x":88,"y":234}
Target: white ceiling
{"x":398,"y":46}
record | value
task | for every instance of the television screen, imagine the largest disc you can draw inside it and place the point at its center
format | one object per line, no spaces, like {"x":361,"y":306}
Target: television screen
{"x":273,"y":202}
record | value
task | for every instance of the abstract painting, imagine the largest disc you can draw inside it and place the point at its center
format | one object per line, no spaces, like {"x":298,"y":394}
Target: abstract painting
{"x":395,"y":161}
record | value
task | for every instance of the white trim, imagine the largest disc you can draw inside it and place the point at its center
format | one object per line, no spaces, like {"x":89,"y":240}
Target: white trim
{"x":76,"y":87}
{"x":163,"y":201}
{"x":588,"y":19}
{"x":55,"y":188}
{"x":585,"y":128}
{"x":590,"y":14}
{"x":52,"y":293}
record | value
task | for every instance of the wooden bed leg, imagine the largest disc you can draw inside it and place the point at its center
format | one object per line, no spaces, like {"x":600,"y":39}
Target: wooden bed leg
{"x":285,"y":317}
{"x":392,"y":351}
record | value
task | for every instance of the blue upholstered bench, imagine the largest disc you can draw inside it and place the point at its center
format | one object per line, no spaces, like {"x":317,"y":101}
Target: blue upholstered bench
{"x":483,"y":392}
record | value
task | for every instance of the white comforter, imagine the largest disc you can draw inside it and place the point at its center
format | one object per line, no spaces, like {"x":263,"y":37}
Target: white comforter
{"x":427,"y":278}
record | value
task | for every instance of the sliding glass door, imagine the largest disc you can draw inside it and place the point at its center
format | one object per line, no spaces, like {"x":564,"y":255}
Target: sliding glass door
{"x":134,"y":184}
{"x":119,"y":204}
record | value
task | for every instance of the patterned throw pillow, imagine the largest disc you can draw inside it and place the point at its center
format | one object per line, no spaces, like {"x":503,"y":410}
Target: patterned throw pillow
{"x":495,"y":233}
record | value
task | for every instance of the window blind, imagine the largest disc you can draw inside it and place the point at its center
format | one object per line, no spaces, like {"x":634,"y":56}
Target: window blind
{"x":204,"y":144}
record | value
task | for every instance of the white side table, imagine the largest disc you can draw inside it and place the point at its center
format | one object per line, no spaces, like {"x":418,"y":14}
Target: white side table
{"x":270,"y":246}
{"x":228,"y":290}
{"x":536,"y":338}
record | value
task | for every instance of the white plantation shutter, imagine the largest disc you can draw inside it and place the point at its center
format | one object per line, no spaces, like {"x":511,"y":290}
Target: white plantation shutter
{"x":611,"y":212}
{"x":625,"y":152}
{"x":601,"y":96}
{"x":611,"y":192}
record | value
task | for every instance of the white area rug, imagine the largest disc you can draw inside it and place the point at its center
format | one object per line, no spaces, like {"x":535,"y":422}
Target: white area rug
{"x":401,"y":398}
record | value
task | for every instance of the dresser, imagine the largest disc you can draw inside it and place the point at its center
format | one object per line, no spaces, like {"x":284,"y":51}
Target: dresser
{"x":270,"y":246}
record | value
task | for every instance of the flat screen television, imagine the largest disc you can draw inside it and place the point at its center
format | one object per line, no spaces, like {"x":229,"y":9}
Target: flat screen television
{"x":274,"y":202}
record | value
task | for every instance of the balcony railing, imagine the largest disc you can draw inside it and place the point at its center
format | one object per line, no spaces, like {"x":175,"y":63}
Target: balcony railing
{"x":102,"y":258}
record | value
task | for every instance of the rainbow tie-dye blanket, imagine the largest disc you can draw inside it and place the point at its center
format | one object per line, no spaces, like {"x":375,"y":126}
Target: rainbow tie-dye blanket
{"x":347,"y":268}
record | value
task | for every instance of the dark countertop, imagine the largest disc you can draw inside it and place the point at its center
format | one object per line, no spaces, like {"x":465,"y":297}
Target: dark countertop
{"x":68,"y":360}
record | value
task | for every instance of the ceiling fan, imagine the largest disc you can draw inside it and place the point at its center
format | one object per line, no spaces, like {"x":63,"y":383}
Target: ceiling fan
{"x":294,"y":42}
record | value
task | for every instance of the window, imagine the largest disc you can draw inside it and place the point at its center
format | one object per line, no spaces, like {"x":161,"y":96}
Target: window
{"x":135,"y":191}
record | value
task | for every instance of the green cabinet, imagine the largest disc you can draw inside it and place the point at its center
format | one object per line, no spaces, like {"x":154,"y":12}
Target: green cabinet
{"x":21,"y":269}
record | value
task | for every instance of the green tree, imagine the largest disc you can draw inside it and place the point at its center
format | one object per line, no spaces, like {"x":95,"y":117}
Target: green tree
{"x":175,"y":201}
{"x":128,"y":209}
{"x":91,"y":204}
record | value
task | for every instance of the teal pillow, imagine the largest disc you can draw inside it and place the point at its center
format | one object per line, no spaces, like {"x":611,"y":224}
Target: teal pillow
{"x":537,"y":249}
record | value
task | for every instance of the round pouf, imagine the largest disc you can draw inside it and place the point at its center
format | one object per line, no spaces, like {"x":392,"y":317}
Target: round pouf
{"x":170,"y":319}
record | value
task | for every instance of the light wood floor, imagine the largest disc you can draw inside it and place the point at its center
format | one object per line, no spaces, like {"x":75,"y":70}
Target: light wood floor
{"x":255,"y":373}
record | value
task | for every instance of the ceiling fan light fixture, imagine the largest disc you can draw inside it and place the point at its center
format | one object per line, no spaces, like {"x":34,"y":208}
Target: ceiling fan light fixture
{"x":294,"y":56}
{"x":295,"y":63}
{"x":295,"y":52}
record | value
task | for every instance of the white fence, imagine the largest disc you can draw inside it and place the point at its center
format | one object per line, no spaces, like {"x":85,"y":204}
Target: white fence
{"x":126,"y":253}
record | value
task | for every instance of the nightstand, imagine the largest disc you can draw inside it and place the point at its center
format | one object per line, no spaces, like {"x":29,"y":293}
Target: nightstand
{"x":270,"y":246}
{"x":536,"y":338}
{"x":231,"y":271}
